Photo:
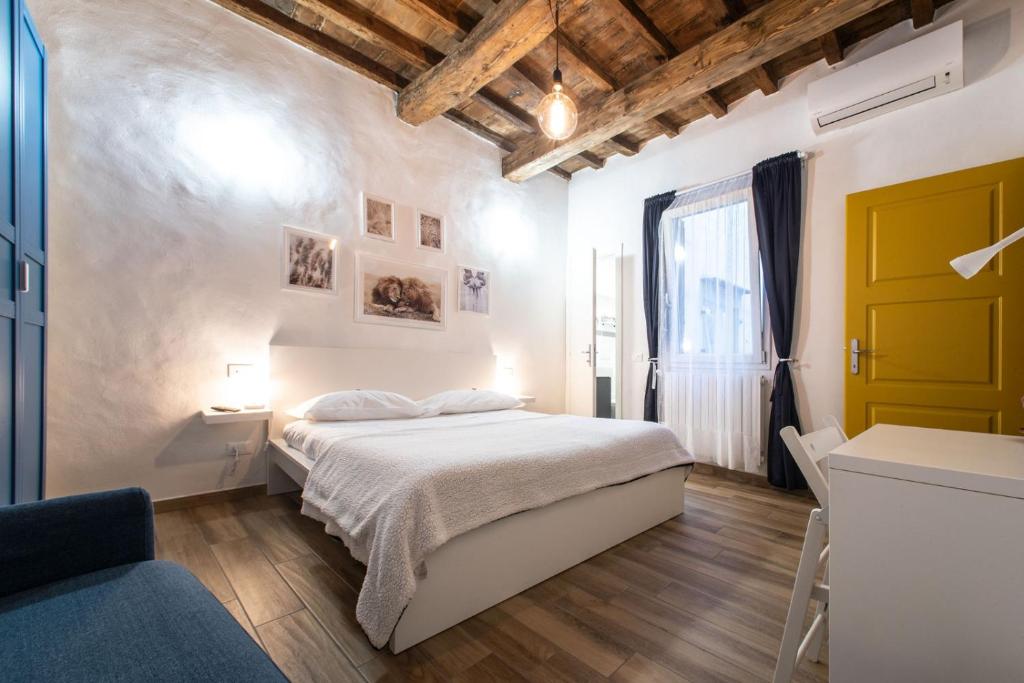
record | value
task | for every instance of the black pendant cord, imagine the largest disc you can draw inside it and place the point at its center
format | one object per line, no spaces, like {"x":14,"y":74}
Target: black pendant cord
{"x":558,"y":35}
{"x":557,"y":75}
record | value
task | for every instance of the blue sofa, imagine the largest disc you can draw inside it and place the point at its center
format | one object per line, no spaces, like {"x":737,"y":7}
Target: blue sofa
{"x":82,"y":599}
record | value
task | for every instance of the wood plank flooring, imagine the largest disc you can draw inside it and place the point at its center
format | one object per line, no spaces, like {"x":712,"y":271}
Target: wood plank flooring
{"x":702,"y":597}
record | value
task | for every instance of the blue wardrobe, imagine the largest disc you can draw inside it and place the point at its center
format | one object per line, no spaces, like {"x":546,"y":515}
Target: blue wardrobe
{"x":23,"y":243}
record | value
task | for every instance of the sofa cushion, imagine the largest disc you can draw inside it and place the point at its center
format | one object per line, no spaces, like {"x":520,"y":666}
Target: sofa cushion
{"x":148,"y":621}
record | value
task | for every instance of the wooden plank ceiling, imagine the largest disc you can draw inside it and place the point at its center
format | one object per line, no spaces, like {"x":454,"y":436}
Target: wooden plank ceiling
{"x":637,"y":69}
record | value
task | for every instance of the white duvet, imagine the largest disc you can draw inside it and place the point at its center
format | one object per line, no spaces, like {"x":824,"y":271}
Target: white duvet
{"x":396,"y":490}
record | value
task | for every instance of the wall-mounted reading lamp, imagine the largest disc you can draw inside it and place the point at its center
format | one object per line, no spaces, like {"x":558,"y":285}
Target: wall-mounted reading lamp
{"x":968,"y":265}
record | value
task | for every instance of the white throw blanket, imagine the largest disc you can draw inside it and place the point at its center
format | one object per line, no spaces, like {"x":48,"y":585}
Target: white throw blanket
{"x":396,"y":490}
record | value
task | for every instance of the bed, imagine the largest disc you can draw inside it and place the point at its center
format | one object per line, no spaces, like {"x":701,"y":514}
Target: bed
{"x":629,"y":482}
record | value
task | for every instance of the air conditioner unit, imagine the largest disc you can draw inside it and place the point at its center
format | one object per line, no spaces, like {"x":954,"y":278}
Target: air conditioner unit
{"x":915,"y":71}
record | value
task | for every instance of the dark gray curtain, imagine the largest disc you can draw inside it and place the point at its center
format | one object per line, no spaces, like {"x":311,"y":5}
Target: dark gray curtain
{"x":653,"y":208}
{"x":778,"y":209}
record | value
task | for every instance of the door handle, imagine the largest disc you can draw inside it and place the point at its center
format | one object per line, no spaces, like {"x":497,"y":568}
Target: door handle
{"x":855,"y":352}
{"x":23,"y":273}
{"x":589,"y":353}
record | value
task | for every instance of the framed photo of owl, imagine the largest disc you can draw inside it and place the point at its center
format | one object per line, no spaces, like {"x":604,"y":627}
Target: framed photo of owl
{"x":474,"y":290}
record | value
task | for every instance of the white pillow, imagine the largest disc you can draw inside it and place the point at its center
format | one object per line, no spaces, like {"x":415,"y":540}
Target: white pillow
{"x":467,"y":401}
{"x":358,"y":404}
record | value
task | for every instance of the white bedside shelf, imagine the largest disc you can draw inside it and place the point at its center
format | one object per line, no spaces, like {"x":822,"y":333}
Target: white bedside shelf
{"x":527,"y":399}
{"x":214,"y":417}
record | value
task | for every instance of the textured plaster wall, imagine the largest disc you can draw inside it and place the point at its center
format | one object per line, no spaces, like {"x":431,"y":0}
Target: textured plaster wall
{"x":181,"y":139}
{"x":977,"y":125}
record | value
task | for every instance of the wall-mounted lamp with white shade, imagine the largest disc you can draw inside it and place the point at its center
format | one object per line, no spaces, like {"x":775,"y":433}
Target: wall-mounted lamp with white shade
{"x":505,"y":379}
{"x":970,"y":264}
{"x":245,"y":390}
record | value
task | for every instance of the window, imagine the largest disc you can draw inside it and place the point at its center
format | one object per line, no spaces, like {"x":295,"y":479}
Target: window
{"x":713,"y":303}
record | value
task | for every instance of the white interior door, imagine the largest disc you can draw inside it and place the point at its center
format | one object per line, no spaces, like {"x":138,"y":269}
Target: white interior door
{"x":608,"y":342}
{"x":582,"y":333}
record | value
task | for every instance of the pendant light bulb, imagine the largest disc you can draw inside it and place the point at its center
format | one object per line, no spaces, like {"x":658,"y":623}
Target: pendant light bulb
{"x":557,"y":113}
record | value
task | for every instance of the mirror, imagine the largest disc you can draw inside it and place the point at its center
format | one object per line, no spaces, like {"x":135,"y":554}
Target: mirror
{"x":607,"y":328}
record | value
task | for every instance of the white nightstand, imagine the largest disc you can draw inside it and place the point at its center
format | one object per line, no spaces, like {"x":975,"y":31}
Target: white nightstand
{"x":527,"y":399}
{"x":215,"y":417}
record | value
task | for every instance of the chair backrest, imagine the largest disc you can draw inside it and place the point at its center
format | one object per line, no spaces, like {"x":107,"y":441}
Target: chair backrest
{"x":809,"y":452}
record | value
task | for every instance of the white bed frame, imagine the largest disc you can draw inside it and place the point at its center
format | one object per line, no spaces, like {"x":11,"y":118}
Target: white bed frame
{"x":490,"y":564}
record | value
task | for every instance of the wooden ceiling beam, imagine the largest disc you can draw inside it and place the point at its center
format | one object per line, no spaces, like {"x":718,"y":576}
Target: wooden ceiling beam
{"x":923,"y":12}
{"x":382,"y":35}
{"x":713,"y":104}
{"x":457,"y":23}
{"x":499,"y":141}
{"x":768,"y":32}
{"x":649,"y":31}
{"x":598,"y":75}
{"x":561,"y":173}
{"x":323,"y":45}
{"x":623,"y":145}
{"x":443,"y":16}
{"x":711,"y":101}
{"x":478,"y":128}
{"x":505,"y":35}
{"x":668,"y":125}
{"x":765,"y":80}
{"x":314,"y":41}
{"x":365,"y":25}
{"x":831,"y":47}
{"x":519,"y":118}
{"x":586,"y":65}
{"x":592,"y":160}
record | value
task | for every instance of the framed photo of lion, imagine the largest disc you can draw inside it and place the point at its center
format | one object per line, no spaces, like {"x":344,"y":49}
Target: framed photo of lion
{"x":398,"y":293}
{"x":309,"y":261}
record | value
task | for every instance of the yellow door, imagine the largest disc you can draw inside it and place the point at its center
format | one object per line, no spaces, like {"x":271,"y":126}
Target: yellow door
{"x":937,"y":350}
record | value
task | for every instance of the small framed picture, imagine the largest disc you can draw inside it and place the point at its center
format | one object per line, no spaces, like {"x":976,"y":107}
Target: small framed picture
{"x":309,"y":261}
{"x":392,"y":292}
{"x":430,"y":231}
{"x":474,"y":290}
{"x":378,"y":217}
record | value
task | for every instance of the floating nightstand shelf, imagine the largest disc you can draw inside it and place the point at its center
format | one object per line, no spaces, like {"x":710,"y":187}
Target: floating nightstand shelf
{"x":527,"y":399}
{"x":215,"y":417}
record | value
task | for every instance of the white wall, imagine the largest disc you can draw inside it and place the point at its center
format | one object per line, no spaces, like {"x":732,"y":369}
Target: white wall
{"x":980,"y":124}
{"x":182,"y":137}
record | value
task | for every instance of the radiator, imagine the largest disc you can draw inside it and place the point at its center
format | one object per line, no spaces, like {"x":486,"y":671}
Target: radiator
{"x":719,"y":417}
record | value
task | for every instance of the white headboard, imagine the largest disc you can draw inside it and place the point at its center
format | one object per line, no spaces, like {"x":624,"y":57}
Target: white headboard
{"x":301,"y":372}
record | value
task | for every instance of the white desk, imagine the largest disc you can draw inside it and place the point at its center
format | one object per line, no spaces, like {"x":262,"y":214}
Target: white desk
{"x":927,"y":557}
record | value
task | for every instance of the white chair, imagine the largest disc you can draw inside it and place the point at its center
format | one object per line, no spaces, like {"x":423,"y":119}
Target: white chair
{"x":809,"y":451}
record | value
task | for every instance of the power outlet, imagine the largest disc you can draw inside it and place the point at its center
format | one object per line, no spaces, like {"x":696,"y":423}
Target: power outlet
{"x":239,"y":447}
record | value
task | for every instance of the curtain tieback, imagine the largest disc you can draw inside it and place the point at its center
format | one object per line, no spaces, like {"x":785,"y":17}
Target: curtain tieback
{"x":788,"y":360}
{"x":654,"y":375}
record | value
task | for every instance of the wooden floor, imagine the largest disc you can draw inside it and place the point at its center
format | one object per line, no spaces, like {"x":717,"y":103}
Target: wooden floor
{"x":702,"y":597}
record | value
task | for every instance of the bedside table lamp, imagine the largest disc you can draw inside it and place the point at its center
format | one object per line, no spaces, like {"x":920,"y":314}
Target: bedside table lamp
{"x":244,"y":387}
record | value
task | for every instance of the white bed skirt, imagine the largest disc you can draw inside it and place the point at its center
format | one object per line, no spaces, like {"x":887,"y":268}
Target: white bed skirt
{"x":490,"y":564}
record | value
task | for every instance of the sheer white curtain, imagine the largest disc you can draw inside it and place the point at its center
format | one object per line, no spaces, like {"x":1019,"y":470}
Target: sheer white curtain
{"x":711,"y":345}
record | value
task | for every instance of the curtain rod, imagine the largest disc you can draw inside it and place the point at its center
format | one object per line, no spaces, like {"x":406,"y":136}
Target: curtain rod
{"x":803,"y":156}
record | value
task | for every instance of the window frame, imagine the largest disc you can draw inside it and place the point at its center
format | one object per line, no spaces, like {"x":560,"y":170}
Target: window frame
{"x":763,"y":357}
